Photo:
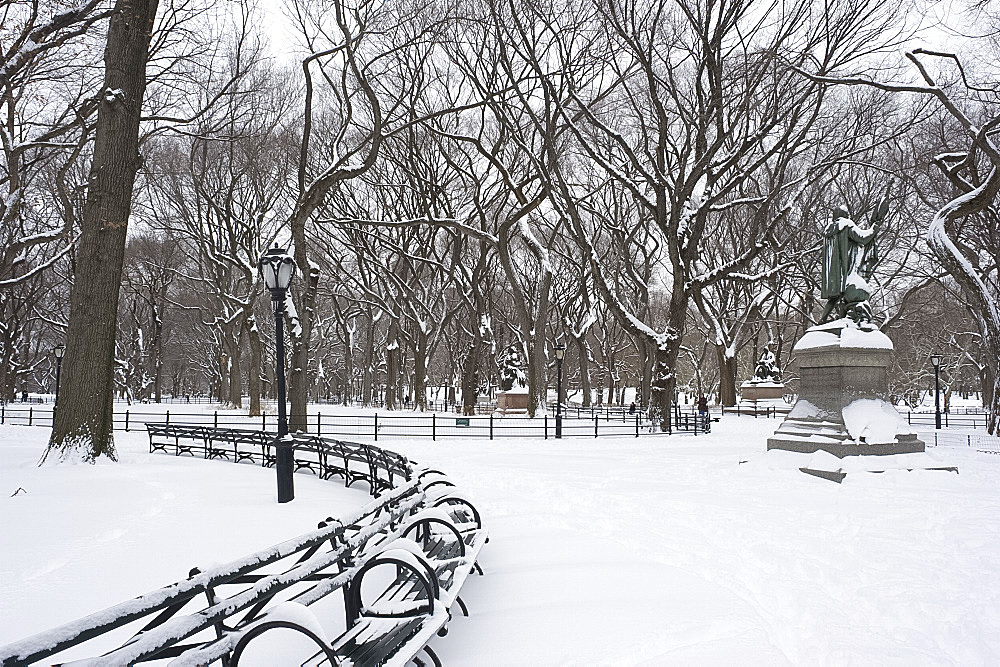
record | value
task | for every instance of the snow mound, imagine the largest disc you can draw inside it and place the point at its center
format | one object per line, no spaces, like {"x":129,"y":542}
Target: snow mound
{"x":845,"y":334}
{"x":874,"y":421}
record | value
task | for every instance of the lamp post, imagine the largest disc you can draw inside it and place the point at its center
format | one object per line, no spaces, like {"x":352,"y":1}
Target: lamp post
{"x":277,"y":267}
{"x":936,"y":360}
{"x":560,"y":351}
{"x":59,"y":351}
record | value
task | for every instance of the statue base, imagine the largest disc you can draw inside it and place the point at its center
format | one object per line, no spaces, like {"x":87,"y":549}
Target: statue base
{"x":511,"y":402}
{"x":842,"y":407}
{"x":759,"y":390}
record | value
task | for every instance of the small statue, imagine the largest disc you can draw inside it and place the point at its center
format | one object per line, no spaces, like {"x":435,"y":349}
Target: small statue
{"x":510,"y":372}
{"x":766,"y":369}
{"x":850,"y":254}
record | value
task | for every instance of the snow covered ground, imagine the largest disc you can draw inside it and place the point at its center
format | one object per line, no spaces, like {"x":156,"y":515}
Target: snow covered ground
{"x":666,"y":550}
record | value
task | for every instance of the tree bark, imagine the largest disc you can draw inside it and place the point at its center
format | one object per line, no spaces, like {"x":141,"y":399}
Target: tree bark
{"x":727,"y":377}
{"x":298,"y":374}
{"x":367,"y":381}
{"x":470,"y":377}
{"x":420,"y":371}
{"x":348,"y":391}
{"x":581,"y":344}
{"x":538,"y":386}
{"x":235,"y":368}
{"x":83,"y":424}
{"x":392,"y":367}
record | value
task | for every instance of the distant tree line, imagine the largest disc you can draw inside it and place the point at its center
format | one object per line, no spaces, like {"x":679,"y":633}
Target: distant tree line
{"x":467,"y":183}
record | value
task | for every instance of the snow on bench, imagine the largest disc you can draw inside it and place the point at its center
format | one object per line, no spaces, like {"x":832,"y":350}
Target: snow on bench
{"x":387,"y":621}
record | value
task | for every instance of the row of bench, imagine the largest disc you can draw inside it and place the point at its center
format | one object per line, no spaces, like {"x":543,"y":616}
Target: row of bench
{"x":324,"y":457}
{"x":394,"y":569}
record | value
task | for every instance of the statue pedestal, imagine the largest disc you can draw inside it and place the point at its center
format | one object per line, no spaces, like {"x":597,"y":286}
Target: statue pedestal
{"x":512,"y":402}
{"x":754,"y":390}
{"x":842,"y":407}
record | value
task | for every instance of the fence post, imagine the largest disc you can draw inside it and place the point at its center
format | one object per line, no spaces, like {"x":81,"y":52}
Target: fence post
{"x":126,"y":421}
{"x":637,"y":425}
{"x":216,"y":419}
{"x":30,"y":415}
{"x":3,"y":413}
{"x":319,"y":426}
{"x":597,"y":420}
{"x":376,"y":427}
{"x":491,"y":426}
{"x":263,"y":420}
{"x":434,"y":426}
{"x":168,"y":417}
{"x":946,"y":419}
{"x":545,"y":418}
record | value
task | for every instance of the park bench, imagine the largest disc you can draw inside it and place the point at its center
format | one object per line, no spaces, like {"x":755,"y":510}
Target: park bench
{"x":276,"y":588}
{"x":324,"y":457}
{"x":164,"y":436}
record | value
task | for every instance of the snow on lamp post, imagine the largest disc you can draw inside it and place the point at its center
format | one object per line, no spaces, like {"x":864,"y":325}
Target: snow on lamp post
{"x":277,"y":268}
{"x":936,"y":360}
{"x":58,"y":351}
{"x":560,"y":351}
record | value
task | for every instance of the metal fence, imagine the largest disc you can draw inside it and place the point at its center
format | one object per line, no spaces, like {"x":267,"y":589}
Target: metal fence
{"x":988,"y":444}
{"x":753,"y":409}
{"x":966,"y":418}
{"x":576,"y":424}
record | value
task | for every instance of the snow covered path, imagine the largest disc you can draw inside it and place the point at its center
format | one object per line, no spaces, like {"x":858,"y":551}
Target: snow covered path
{"x":663,"y":550}
{"x":667,"y":551}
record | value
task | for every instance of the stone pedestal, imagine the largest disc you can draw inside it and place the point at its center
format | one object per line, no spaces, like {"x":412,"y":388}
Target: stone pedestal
{"x":842,"y":407}
{"x":752,"y":390}
{"x":512,"y":402}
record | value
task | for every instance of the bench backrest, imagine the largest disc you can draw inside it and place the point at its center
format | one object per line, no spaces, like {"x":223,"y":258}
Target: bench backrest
{"x":317,"y":563}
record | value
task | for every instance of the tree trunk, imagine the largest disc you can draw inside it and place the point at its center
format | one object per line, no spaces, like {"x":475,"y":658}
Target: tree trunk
{"x":727,"y":376}
{"x":235,"y":369}
{"x":392,"y":367}
{"x":991,"y":393}
{"x":157,"y":352}
{"x":470,"y":374}
{"x":367,"y":382}
{"x":581,"y":344}
{"x":646,"y":374}
{"x":301,"y":331}
{"x":253,"y":372}
{"x":537,"y":378}
{"x":609,"y":360}
{"x":348,"y":389}
{"x":83,"y":425}
{"x":222,"y":388}
{"x":420,"y":371}
{"x":662,"y":387}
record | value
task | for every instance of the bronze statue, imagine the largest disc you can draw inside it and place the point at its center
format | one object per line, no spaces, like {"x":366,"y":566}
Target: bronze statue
{"x":850,"y":253}
{"x":766,"y":369}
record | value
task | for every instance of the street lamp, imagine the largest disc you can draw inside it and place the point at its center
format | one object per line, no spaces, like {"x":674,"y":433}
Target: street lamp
{"x":936,"y":360}
{"x":59,"y":351}
{"x":277,"y":267}
{"x":560,"y":351}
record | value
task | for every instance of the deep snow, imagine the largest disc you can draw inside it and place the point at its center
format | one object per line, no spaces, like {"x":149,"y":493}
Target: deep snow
{"x":621,"y":551}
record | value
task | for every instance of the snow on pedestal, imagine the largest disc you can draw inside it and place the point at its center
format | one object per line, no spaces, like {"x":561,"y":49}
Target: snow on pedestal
{"x":842,"y":407}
